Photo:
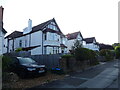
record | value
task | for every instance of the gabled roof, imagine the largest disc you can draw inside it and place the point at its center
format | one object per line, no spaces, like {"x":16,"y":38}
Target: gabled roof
{"x":43,"y":25}
{"x":14,"y":34}
{"x":4,"y":31}
{"x":40,"y":26}
{"x":73,"y":35}
{"x":106,"y":46}
{"x":89,"y":40}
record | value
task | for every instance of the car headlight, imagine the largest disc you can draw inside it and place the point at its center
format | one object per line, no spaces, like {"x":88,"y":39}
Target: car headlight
{"x":31,"y":69}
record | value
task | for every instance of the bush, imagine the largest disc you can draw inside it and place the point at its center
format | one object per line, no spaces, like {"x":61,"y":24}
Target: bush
{"x":67,"y":56}
{"x":103,"y":52}
{"x":18,"y":50}
{"x":108,"y":54}
{"x":93,"y":57}
{"x":84,"y":54}
{"x":6,"y":60}
{"x":117,"y":51}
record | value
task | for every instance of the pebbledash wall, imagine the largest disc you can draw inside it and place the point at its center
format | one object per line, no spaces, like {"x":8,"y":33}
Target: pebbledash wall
{"x":92,"y":46}
{"x":36,"y":39}
{"x":1,"y":41}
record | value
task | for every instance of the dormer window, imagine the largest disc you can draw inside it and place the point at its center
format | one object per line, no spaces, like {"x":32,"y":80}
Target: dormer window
{"x":52,"y":26}
{"x":53,"y":23}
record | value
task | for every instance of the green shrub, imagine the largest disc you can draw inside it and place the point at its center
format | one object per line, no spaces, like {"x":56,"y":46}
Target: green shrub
{"x":67,"y":56}
{"x":6,"y":60}
{"x":93,"y":57}
{"x":108,"y":54}
{"x":117,"y":51}
{"x":103,"y":52}
{"x":82,"y":54}
{"x":18,"y":50}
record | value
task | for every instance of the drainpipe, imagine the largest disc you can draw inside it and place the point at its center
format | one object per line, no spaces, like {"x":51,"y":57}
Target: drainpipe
{"x":8,"y":45}
{"x":13,"y":45}
{"x":29,"y":40}
{"x":42,"y":43}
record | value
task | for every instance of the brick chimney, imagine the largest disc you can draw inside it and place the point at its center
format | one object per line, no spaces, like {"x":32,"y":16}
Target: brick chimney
{"x":1,"y":16}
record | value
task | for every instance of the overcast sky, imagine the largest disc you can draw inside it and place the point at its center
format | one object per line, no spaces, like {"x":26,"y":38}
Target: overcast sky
{"x":94,"y":18}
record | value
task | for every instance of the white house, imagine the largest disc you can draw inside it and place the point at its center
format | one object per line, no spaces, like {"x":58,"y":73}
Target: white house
{"x":2,"y":31}
{"x":91,"y":43}
{"x":45,"y":38}
{"x":72,"y":38}
{"x":2,"y":34}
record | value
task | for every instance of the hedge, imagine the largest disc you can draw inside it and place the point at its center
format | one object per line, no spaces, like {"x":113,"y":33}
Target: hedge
{"x":117,"y":51}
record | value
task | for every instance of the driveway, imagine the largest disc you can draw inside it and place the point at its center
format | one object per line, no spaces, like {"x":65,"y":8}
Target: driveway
{"x":101,"y":76}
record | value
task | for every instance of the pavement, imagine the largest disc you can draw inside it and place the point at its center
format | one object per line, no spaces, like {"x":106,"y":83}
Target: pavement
{"x":104,"y":75}
{"x":104,"y":79}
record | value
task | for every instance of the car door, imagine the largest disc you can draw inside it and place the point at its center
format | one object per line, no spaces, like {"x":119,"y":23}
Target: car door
{"x":15,"y":64}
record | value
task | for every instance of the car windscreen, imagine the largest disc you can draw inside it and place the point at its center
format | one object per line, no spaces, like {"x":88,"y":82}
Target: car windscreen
{"x":25,"y":60}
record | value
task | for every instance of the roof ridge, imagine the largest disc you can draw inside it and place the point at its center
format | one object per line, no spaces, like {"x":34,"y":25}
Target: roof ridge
{"x":89,"y":37}
{"x":42,"y":23}
{"x":73,"y":33}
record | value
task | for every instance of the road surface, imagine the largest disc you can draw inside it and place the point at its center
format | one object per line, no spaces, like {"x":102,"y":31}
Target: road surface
{"x":104,"y":75}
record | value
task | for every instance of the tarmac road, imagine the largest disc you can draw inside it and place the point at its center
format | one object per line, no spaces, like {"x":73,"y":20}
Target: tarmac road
{"x":104,"y":75}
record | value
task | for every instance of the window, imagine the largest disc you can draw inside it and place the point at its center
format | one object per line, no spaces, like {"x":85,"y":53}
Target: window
{"x":53,"y":27}
{"x":45,"y":36}
{"x":58,"y":49}
{"x":25,"y":60}
{"x":53,"y":23}
{"x":20,"y":43}
{"x":25,"y":43}
{"x":52,"y":36}
{"x":53,"y":50}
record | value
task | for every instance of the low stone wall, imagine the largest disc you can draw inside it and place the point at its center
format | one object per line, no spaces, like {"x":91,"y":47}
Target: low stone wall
{"x":101,"y":58}
{"x":69,"y":65}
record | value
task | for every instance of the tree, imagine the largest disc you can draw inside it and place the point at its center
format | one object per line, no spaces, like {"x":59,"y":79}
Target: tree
{"x":115,"y":44}
{"x":117,"y":51}
{"x":108,"y":54}
{"x":76,"y":45}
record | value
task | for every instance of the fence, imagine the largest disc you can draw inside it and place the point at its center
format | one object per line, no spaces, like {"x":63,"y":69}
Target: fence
{"x":50,"y":61}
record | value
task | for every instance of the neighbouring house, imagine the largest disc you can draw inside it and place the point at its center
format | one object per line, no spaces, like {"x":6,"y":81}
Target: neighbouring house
{"x":72,"y":38}
{"x":2,"y":31}
{"x":45,"y":38}
{"x":91,"y":43}
{"x":12,"y":41}
{"x":106,"y":46}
